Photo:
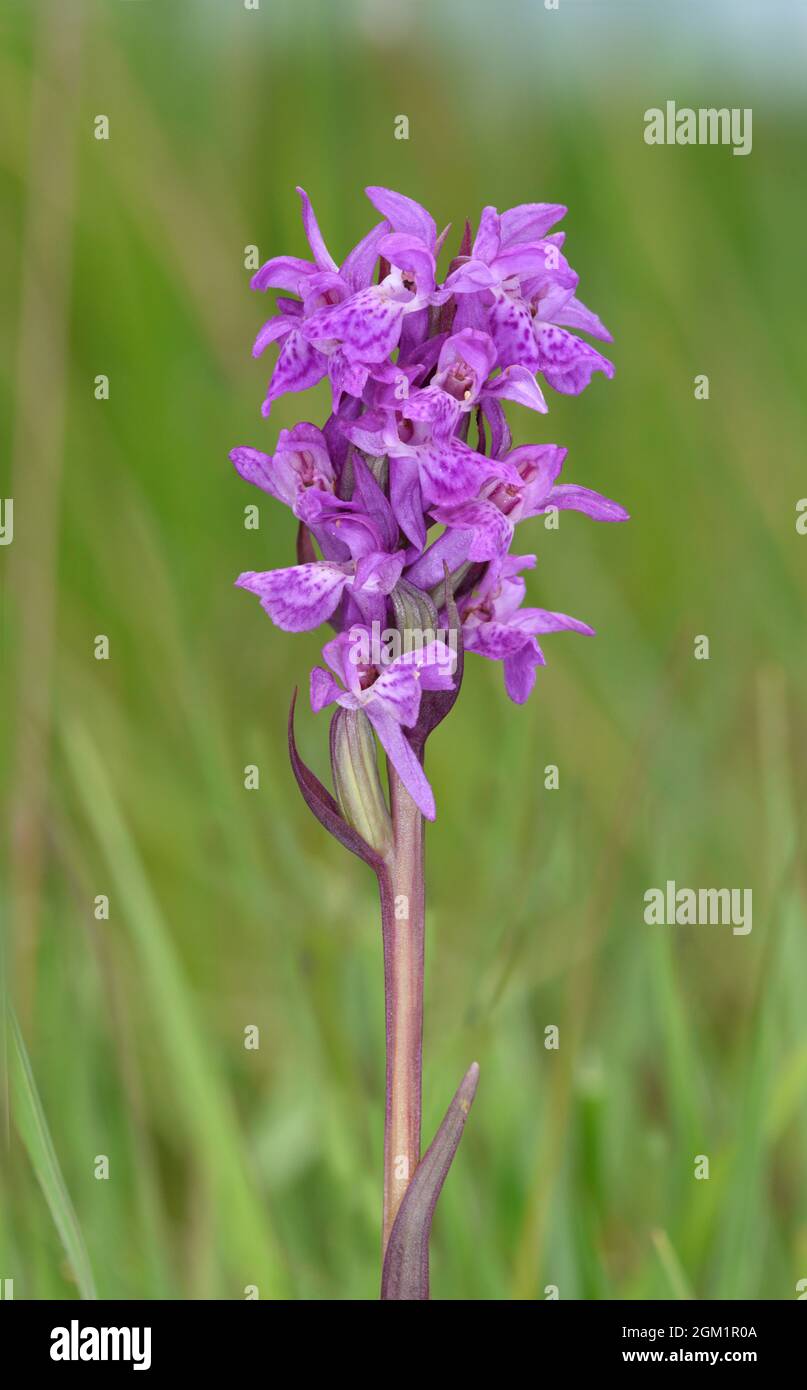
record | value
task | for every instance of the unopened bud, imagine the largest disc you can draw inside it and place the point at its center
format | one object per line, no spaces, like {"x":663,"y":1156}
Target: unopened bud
{"x":414,"y":610}
{"x":356,"y":780}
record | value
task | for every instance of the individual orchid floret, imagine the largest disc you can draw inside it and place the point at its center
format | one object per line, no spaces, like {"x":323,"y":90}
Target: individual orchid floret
{"x":495,"y":625}
{"x":410,"y":218}
{"x":319,"y":283}
{"x":499,"y":255}
{"x":389,"y":696}
{"x":355,"y":528}
{"x":299,"y":364}
{"x":300,"y":461}
{"x":367,"y":326}
{"x":463,"y":379}
{"x":482,"y":529}
{"x":424,"y":471}
{"x":546,"y":302}
{"x":538,"y":465}
{"x":521,"y":290}
{"x":304,"y":596}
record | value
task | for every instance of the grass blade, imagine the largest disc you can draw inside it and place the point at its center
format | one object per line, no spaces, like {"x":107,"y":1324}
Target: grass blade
{"x":32,"y":1125}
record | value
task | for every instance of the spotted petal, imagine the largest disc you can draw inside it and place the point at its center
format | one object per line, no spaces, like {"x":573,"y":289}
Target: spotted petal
{"x":512,"y":330}
{"x":299,"y":598}
{"x":299,"y":366}
{"x":567,"y":362}
{"x":368,"y":325}
{"x":452,"y":472}
{"x":491,"y":532}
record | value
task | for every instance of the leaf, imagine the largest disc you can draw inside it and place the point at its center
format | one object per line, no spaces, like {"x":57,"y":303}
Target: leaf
{"x":324,"y":806}
{"x":406,"y":1264}
{"x":33,"y":1130}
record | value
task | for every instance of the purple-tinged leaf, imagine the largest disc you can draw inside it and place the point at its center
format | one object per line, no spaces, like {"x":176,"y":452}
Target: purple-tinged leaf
{"x":324,"y":806}
{"x":406,"y":1263}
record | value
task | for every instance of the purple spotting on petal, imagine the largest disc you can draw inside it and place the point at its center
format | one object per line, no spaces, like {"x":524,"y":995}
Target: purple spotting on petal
{"x":367,"y":325}
{"x":298,"y":598}
{"x":567,"y":362}
{"x":298,"y":367}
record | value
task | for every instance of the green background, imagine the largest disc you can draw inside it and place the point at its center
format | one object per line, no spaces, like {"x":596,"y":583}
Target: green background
{"x":231,"y":908}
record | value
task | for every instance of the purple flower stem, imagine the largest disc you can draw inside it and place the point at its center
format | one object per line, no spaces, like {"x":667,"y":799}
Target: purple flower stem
{"x":402,"y":923}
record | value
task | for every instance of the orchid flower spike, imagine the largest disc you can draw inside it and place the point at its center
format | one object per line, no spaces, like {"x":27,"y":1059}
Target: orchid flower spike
{"x":407,"y":501}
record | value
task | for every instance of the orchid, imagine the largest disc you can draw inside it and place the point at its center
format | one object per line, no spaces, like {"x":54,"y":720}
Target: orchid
{"x":390,"y":698}
{"x":518,"y":284}
{"x":405,"y":523}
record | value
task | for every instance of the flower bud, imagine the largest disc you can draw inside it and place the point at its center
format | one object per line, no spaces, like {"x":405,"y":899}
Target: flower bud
{"x":356,"y":780}
{"x":414,"y":610}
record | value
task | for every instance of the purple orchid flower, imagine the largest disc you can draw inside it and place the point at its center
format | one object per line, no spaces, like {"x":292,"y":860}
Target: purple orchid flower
{"x":405,"y":520}
{"x":304,"y":596}
{"x":367,"y":326}
{"x":495,"y":625}
{"x":424,"y":471}
{"x":300,"y":461}
{"x":522,"y":290}
{"x":319,"y":283}
{"x":490,"y":519}
{"x":463,"y":379}
{"x":389,"y":696}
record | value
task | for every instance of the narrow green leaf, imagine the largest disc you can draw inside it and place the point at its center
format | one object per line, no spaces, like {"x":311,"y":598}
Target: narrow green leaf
{"x":32,"y":1125}
{"x":203,"y":1101}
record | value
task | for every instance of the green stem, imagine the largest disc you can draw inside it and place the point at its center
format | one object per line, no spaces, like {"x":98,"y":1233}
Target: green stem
{"x":402,"y":919}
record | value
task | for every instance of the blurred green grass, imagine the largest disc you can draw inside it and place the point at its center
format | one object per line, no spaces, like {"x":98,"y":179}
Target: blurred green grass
{"x":228,"y":908}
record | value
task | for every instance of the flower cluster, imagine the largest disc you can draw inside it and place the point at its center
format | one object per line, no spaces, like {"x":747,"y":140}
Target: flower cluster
{"x":412,"y":490}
